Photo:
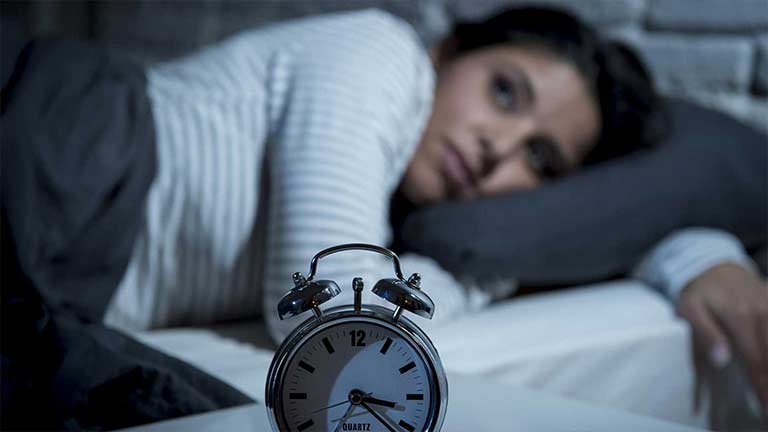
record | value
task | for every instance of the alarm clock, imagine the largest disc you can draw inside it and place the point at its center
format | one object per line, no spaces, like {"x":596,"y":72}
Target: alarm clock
{"x":356,"y":367}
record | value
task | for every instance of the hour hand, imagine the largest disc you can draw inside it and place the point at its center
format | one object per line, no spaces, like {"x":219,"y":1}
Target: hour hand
{"x":385,"y":403}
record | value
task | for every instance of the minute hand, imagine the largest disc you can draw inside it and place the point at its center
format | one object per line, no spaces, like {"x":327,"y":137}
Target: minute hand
{"x":378,"y":417}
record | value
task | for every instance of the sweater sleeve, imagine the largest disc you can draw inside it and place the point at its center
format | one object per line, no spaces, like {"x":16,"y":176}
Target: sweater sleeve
{"x":685,"y":254}
{"x":347,"y":108}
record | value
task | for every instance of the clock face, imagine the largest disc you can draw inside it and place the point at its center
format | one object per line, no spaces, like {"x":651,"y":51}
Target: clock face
{"x":356,"y":376}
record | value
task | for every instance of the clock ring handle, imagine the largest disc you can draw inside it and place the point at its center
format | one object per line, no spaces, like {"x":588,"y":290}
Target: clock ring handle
{"x":354,"y":246}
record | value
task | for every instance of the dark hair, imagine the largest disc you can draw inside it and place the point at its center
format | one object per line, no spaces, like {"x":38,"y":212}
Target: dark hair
{"x":629,"y":106}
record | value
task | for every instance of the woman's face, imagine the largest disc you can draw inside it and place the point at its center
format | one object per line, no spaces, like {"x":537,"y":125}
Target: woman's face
{"x":504,"y":118}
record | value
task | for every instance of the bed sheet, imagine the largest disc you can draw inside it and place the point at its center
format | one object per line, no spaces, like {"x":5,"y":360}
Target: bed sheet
{"x":616,"y":344}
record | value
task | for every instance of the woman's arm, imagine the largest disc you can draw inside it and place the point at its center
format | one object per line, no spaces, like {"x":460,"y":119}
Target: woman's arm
{"x":717,"y":289}
{"x":685,"y":254}
{"x":346,"y":111}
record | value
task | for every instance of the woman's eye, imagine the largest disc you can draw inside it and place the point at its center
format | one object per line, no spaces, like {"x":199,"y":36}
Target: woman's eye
{"x":544,"y":158}
{"x":503,"y":93}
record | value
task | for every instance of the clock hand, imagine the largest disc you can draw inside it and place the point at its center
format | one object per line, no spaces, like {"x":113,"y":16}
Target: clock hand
{"x":335,"y":405}
{"x":329,"y":406}
{"x":344,"y":418}
{"x":373,"y":400}
{"x":378,"y":417}
{"x":388,"y":404}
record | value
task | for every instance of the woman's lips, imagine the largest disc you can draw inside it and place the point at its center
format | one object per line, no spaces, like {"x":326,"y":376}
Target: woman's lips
{"x":456,"y":168}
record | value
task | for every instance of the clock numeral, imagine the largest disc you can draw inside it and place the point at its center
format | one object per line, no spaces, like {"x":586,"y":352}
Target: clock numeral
{"x":358,"y":337}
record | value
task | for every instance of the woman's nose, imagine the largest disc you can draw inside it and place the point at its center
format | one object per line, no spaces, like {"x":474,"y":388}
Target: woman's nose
{"x":489,"y":157}
{"x":505,"y":142}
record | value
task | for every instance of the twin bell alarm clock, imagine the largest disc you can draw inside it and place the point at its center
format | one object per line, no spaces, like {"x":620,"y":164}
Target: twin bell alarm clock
{"x":356,"y":367}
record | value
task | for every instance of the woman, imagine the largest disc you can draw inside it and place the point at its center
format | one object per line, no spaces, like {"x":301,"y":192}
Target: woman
{"x":280,"y":142}
{"x":345,"y":106}
{"x":336,"y":113}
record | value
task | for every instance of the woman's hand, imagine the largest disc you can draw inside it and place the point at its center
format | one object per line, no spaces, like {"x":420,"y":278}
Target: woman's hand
{"x":727,"y":307}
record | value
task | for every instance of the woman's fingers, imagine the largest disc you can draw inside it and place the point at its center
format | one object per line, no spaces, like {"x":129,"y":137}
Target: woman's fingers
{"x":727,"y":307}
{"x":762,"y":341}
{"x":743,"y":332}
{"x":710,"y":341}
{"x":747,"y":330}
{"x":759,"y":323}
{"x":709,"y":345}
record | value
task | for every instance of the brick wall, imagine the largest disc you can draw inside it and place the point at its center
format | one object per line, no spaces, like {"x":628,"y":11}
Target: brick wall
{"x":711,"y":51}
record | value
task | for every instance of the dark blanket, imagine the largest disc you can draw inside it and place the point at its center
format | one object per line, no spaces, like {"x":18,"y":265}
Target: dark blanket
{"x":78,"y":158}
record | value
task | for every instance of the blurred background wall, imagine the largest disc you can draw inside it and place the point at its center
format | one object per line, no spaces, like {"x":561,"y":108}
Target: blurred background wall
{"x":711,"y":51}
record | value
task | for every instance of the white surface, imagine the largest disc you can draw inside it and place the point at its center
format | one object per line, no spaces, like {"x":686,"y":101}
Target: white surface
{"x":474,"y":405}
{"x":618,"y":345}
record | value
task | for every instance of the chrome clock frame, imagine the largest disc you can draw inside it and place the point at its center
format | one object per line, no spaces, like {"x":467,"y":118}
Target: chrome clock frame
{"x":372,"y":314}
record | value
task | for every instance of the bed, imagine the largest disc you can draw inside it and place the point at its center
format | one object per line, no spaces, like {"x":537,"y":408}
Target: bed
{"x":616,"y":344}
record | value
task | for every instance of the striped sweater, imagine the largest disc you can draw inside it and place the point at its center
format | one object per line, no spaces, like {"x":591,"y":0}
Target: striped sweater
{"x":275,"y":144}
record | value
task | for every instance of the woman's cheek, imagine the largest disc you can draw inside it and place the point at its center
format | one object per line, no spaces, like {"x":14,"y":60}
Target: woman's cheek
{"x":514,"y":175}
{"x":422,"y":183}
